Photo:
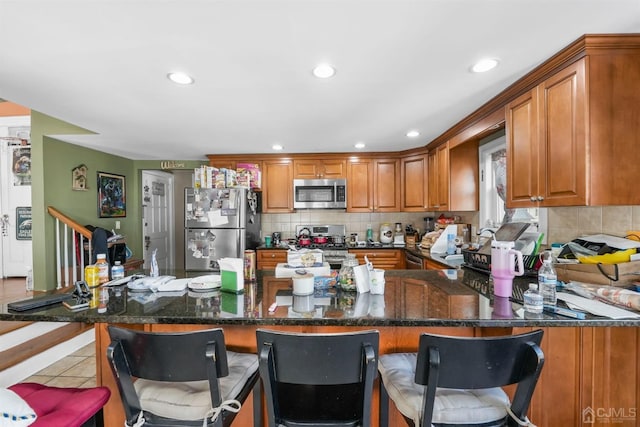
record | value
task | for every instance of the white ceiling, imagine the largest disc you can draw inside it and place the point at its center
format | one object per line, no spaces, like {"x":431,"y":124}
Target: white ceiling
{"x":401,"y":65}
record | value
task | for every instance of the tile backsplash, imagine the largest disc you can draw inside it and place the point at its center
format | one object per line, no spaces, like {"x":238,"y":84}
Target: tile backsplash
{"x":564,"y":224}
{"x":354,"y":222}
{"x":569,"y":223}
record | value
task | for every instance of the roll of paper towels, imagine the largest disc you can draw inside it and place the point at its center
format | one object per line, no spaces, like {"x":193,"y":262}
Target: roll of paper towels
{"x":302,"y":284}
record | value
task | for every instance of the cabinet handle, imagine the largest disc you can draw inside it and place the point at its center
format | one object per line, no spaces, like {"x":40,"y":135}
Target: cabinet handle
{"x":540,"y":198}
{"x":533,"y":198}
{"x":273,"y":255}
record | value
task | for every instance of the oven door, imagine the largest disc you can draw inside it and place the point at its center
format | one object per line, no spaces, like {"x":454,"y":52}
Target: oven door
{"x":413,"y":262}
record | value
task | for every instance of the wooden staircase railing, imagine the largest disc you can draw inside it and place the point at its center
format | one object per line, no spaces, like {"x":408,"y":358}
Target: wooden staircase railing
{"x":67,"y":234}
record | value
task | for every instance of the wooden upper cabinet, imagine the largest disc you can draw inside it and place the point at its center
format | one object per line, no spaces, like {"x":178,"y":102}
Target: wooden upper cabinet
{"x":319,"y":169}
{"x":546,"y":142}
{"x":414,"y":188}
{"x":373,"y":185}
{"x":438,"y":182}
{"x":464,"y":176}
{"x":386,"y":176}
{"x":277,"y":186}
{"x":227,"y":164}
{"x":360,"y":185}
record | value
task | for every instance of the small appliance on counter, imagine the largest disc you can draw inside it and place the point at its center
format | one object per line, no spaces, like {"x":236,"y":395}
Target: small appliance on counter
{"x":386,"y":234}
{"x":398,"y":235}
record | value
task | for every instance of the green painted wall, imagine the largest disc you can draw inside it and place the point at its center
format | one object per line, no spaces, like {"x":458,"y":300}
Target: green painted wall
{"x":52,"y":163}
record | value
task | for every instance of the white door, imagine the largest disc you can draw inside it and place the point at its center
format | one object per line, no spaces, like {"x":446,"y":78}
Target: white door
{"x":158,"y":229}
{"x":15,"y":197}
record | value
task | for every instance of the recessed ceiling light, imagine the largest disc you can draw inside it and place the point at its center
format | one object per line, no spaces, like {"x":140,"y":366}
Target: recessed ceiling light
{"x":413,"y":133}
{"x":324,"y":71}
{"x":359,"y":145}
{"x":484,"y":65}
{"x":277,"y":147}
{"x":180,"y":78}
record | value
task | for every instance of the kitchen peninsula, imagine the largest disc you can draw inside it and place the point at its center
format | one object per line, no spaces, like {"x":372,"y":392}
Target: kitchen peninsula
{"x":589,"y":364}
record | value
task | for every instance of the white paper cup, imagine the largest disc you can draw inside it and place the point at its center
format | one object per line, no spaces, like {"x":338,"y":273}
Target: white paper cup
{"x":377,"y":281}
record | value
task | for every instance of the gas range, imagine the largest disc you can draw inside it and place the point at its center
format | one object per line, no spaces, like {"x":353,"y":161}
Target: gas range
{"x":328,"y":238}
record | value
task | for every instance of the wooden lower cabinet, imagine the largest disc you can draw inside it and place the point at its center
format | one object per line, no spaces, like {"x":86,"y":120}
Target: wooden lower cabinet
{"x":590,"y":376}
{"x":386,"y":259}
{"x":268,"y":259}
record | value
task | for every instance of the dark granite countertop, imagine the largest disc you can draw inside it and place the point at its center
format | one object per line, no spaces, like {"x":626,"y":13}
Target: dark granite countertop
{"x":455,"y":297}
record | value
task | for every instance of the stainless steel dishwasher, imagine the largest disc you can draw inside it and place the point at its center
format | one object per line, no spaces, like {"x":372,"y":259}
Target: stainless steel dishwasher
{"x":413,"y":262}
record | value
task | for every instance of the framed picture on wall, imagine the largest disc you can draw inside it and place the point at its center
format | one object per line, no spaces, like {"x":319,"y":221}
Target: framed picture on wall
{"x":111,"y":195}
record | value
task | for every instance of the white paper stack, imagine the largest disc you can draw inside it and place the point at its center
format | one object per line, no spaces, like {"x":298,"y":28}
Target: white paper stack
{"x":285,"y":270}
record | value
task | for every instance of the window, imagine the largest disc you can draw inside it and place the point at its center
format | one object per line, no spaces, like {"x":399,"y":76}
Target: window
{"x":493,"y":190}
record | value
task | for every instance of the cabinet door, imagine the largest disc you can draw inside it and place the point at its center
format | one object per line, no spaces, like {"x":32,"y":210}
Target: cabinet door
{"x":464,"y":177}
{"x":438,"y":182}
{"x":562,"y":177}
{"x":306,"y":169}
{"x":387,"y":259}
{"x":360,"y":186}
{"x":414,"y":184}
{"x":387,"y":186}
{"x":443,"y":177}
{"x":522,"y":134}
{"x":319,"y":169}
{"x":334,"y":168}
{"x":268,"y":259}
{"x":227,"y":164}
{"x":547,"y":142}
{"x":277,"y":191}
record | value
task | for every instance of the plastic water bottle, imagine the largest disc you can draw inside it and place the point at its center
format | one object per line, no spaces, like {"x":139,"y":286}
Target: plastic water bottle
{"x":369,"y":233}
{"x":451,"y":244}
{"x":547,"y":280}
{"x":29,"y":280}
{"x":117,"y":271}
{"x":532,"y":299}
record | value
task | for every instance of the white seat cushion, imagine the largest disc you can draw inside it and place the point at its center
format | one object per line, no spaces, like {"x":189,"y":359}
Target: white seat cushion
{"x":192,"y":400}
{"x":14,"y":410}
{"x":451,"y":406}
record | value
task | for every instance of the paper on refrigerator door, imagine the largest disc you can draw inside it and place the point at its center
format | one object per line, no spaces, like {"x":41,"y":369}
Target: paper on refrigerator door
{"x":232,"y":274}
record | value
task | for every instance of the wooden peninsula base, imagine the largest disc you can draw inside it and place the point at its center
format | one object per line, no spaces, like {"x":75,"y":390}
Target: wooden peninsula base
{"x":590,"y":376}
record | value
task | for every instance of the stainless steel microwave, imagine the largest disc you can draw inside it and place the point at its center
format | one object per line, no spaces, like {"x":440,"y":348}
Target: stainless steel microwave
{"x":320,"y":193}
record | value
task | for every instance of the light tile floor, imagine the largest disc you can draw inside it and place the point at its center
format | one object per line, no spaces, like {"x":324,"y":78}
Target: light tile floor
{"x":76,"y":370}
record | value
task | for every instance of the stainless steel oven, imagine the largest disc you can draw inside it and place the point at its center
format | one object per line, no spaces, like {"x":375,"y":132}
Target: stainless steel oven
{"x":320,"y":193}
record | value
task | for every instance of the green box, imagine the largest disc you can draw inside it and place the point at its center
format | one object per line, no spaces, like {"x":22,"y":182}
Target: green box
{"x":230,"y":281}
{"x":232,"y":303}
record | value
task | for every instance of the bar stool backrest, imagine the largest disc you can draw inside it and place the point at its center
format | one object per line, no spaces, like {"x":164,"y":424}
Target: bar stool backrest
{"x":318,"y":379}
{"x":476,"y":363}
{"x":181,"y":358}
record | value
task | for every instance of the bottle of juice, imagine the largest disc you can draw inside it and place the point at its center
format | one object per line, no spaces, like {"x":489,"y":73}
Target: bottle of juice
{"x":91,"y":275}
{"x":103,"y":269}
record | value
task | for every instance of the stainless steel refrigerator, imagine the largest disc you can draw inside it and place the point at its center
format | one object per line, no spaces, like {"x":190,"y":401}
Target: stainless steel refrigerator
{"x":219,"y":223}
